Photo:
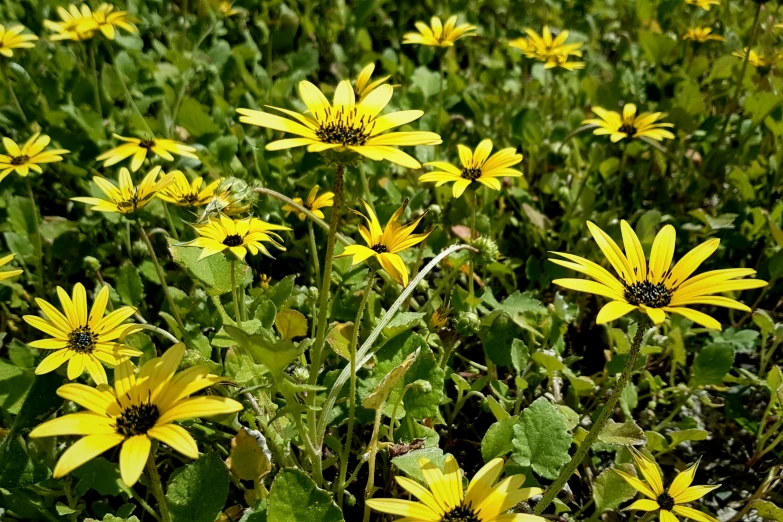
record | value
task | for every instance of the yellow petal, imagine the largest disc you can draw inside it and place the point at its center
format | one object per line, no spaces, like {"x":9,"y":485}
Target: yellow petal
{"x":694,"y":493}
{"x":84,"y":449}
{"x":133,"y":457}
{"x":614,"y":310}
{"x":177,"y":438}
{"x":404,"y":508}
{"x":649,"y":470}
{"x":662,"y":253}
{"x":643,"y":505}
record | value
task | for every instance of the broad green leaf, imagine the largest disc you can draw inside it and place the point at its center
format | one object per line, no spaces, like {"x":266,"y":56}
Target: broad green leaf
{"x":712,"y":364}
{"x":199,"y":491}
{"x":290,"y":324}
{"x":294,"y":497}
{"x":520,"y":354}
{"x":692,"y":434}
{"x":541,"y":439}
{"x":274,"y":355}
{"x":657,"y":47}
{"x":498,"y":440}
{"x":381,"y":392}
{"x":129,"y":285}
{"x":626,"y":434}
{"x":409,"y":463}
{"x":610,"y":489}
{"x":214,"y":271}
{"x":402,"y":322}
{"x":768,"y":510}
{"x":195,"y":119}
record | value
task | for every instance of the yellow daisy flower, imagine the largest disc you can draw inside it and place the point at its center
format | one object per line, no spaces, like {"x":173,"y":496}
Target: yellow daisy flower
{"x":670,"y":501}
{"x":385,"y":244}
{"x":757,"y":60}
{"x":549,"y":49}
{"x":655,"y":288}
{"x":701,"y":35}
{"x":12,"y":38}
{"x":70,"y":26}
{"x":183,"y":193}
{"x":629,"y":125}
{"x":127,"y":198}
{"x":227,"y":8}
{"x":138,"y":148}
{"x":82,"y":340}
{"x":30,"y":156}
{"x":363,"y":86}
{"x":313,"y":203}
{"x":105,"y":19}
{"x":264,"y":280}
{"x":8,"y":274}
{"x":345,"y":124}
{"x":439,"y":35}
{"x":239,"y":236}
{"x":704,"y":4}
{"x":444,"y":501}
{"x":140,"y":407}
{"x":476,"y":166}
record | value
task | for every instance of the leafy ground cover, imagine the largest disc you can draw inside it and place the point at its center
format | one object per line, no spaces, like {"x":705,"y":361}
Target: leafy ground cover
{"x":447,"y":262}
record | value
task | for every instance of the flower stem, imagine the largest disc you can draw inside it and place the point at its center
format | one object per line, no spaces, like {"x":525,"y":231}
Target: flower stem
{"x":127,"y":92}
{"x":371,"y":460}
{"x":39,"y":286}
{"x":314,"y":252}
{"x":14,"y":99}
{"x":157,"y":488}
{"x":95,"y":84}
{"x":472,"y":237}
{"x":162,"y":278}
{"x":440,"y":92}
{"x":170,"y":222}
{"x":234,"y":292}
{"x":581,"y":452}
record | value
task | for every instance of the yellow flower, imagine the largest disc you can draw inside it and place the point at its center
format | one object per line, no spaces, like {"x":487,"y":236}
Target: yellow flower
{"x":440,"y":317}
{"x":655,"y":288}
{"x":484,"y":501}
{"x":70,"y":26}
{"x":757,"y":60}
{"x":8,"y":274}
{"x":105,"y":18}
{"x":704,"y":4}
{"x":438,"y":35}
{"x":127,"y":198}
{"x":12,"y":38}
{"x":264,"y":280}
{"x":227,"y":8}
{"x":701,"y":35}
{"x":778,"y":26}
{"x":30,"y":156}
{"x":238,"y":236}
{"x":476,"y":166}
{"x":551,"y":50}
{"x":136,"y":410}
{"x":671,"y":500}
{"x":185,"y":194}
{"x":363,"y":85}
{"x":629,"y":125}
{"x":345,"y":124}
{"x":313,"y":203}
{"x":385,"y":244}
{"x":138,"y":148}
{"x":83,"y":340}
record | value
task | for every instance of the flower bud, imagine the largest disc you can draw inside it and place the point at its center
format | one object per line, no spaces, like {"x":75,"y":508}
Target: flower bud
{"x":421,"y":386}
{"x":467,"y":324}
{"x":92,"y":263}
{"x":487,"y":250}
{"x":301,"y":374}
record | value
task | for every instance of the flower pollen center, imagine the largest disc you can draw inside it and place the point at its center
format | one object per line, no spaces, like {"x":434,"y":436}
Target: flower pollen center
{"x":233,"y":240}
{"x":137,"y":419}
{"x":82,"y":340}
{"x":654,"y":295}
{"x":191,"y":199}
{"x":129,"y":205}
{"x":147,"y":144}
{"x":628,"y":128}
{"x":666,"y":501}
{"x":20,"y":160}
{"x":461,"y":513}
{"x":379,"y":248}
{"x":344,"y":129}
{"x":471,"y":174}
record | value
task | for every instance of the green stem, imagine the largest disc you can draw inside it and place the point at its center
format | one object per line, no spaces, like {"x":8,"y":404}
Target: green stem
{"x":162,"y":277}
{"x":472,"y":237}
{"x":39,"y":286}
{"x":95,"y":84}
{"x":14,"y":99}
{"x":314,"y":252}
{"x":581,"y":452}
{"x":127,"y":92}
{"x":440,"y":92}
{"x":366,"y":187}
{"x":128,"y":245}
{"x":157,"y":488}
{"x":170,"y":222}
{"x":371,"y":460}
{"x":234,"y":292}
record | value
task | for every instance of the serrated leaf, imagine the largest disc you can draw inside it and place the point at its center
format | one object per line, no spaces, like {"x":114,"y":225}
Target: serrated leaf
{"x":129,"y":285}
{"x":498,"y":440}
{"x":294,"y":497}
{"x":626,"y":434}
{"x":541,"y":439}
{"x":378,"y":396}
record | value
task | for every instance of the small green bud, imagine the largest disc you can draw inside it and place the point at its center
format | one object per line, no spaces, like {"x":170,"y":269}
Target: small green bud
{"x":421,"y":386}
{"x":139,"y":249}
{"x":487,"y":250}
{"x":301,"y":374}
{"x":467,"y":324}
{"x":92,"y":263}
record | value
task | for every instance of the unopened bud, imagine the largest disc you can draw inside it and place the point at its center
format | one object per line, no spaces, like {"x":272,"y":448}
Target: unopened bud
{"x":92,"y":263}
{"x":467,"y":324}
{"x":421,"y":386}
{"x":487,"y":250}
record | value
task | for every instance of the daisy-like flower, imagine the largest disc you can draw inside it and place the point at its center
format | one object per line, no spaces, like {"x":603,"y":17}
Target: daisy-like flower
{"x":444,"y":501}
{"x":669,"y":501}
{"x":239,"y":236}
{"x":345,"y":124}
{"x":629,"y":125}
{"x":757,"y":60}
{"x":313,"y":203}
{"x":138,"y":148}
{"x":704,"y":4}
{"x":477,"y":165}
{"x":439,"y":35}
{"x":29,"y":157}
{"x":701,"y":35}
{"x":127,"y":198}
{"x":71,"y":22}
{"x":183,"y":193}
{"x":13,"y":38}
{"x":657,"y":287}
{"x":227,"y":9}
{"x":105,"y":19}
{"x":552,"y":50}
{"x":363,"y":86}
{"x":8,"y":274}
{"x":140,"y":407}
{"x":84,"y":340}
{"x":385,"y":244}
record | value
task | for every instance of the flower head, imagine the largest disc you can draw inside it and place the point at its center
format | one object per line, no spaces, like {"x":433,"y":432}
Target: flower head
{"x":629,"y":125}
{"x":84,"y":340}
{"x":13,"y":38}
{"x":30,"y":156}
{"x":71,"y":26}
{"x":239,"y":236}
{"x":138,"y":148}
{"x":757,"y":60}
{"x":313,"y":203}
{"x":701,"y":35}
{"x":345,"y":124}
{"x":183,"y":193}
{"x":439,"y":35}
{"x":657,"y":287}
{"x":704,"y":4}
{"x":105,"y":19}
{"x":477,"y":166}
{"x":444,"y":501}
{"x":8,"y":274}
{"x":363,"y":86}
{"x":226,"y":8}
{"x":127,"y":198}
{"x":670,"y":501}
{"x":552,"y":50}
{"x":386,"y":244}
{"x":140,"y":407}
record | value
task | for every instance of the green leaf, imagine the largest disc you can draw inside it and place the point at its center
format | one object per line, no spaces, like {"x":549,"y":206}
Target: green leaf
{"x":290,"y":324}
{"x":520,"y":354}
{"x":129,"y":285}
{"x":768,"y":510}
{"x":498,"y":337}
{"x":610,"y":489}
{"x":550,"y":362}
{"x":196,"y":119}
{"x":274,"y":355}
{"x":497,"y":441}
{"x":692,"y":434}
{"x":294,"y":497}
{"x":214,"y":272}
{"x":280,"y":293}
{"x":657,"y":47}
{"x":402,"y":322}
{"x":199,"y":491}
{"x":541,"y":439}
{"x":409,"y":463}
{"x":426,"y":81}
{"x":627,"y":433}
{"x":711,"y":364}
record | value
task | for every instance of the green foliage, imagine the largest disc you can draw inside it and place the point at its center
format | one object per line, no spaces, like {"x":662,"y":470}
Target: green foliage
{"x":198,"y":492}
{"x":541,"y":439}
{"x":294,"y":497}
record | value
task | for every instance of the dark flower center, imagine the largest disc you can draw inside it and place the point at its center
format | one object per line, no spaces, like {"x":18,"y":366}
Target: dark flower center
{"x":345,"y":130}
{"x":129,"y":205}
{"x":233,"y":240}
{"x":137,"y":419}
{"x":628,"y":128}
{"x":461,"y":514}
{"x":147,"y":144}
{"x":666,"y":501}
{"x":648,"y":294}
{"x":19,"y":160}
{"x":190,"y":199}
{"x":82,"y":340}
{"x":379,"y":248}
{"x":471,"y":174}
